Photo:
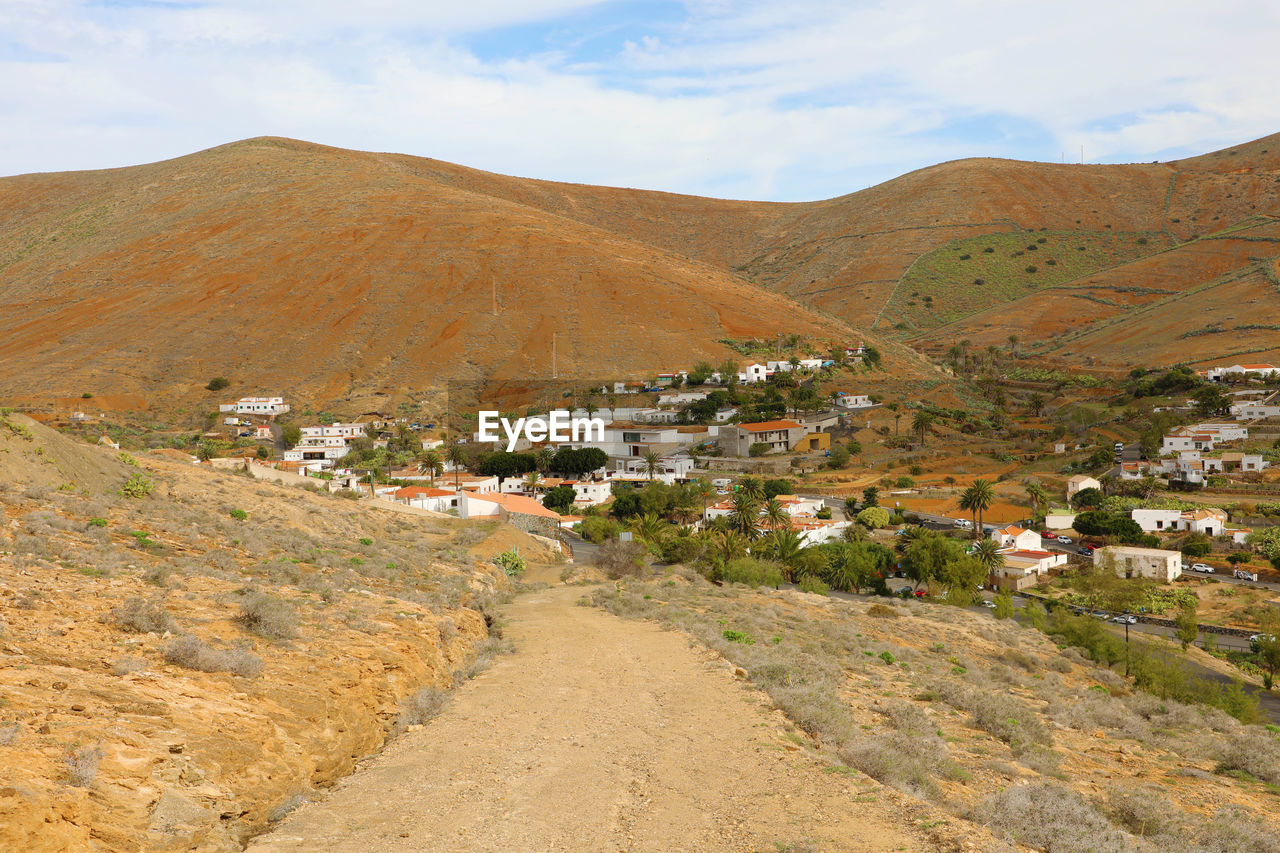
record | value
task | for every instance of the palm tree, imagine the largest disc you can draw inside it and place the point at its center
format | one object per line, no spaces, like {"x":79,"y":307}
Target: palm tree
{"x":650,"y":529}
{"x":687,"y":502}
{"x":612,"y":398}
{"x":532,"y":482}
{"x":977,"y":499}
{"x":1038,"y":497}
{"x":785,"y":546}
{"x":730,"y":545}
{"x":987,"y":552}
{"x":745,"y":516}
{"x":430,"y":463}
{"x":776,"y":515}
{"x":590,"y":408}
{"x":457,"y":458}
{"x":921,"y":422}
{"x":752,"y":486}
{"x":543,"y":457}
{"x":651,"y":463}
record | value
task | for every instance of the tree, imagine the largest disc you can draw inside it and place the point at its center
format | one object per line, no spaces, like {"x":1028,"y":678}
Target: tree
{"x":1035,"y":405}
{"x":1211,"y":400}
{"x":1004,"y":605}
{"x":870,"y":497}
{"x":745,"y":515}
{"x":1087,"y":498}
{"x":1267,"y":650}
{"x":1038,"y":496}
{"x":291,"y":434}
{"x":928,"y":554}
{"x":784,"y":545}
{"x":773,"y":488}
{"x":430,"y":463}
{"x":578,"y":462}
{"x":1235,"y":558}
{"x":502,"y":465}
{"x":776,"y":515}
{"x":559,"y":499}
{"x":921,"y":422}
{"x":1196,"y":544}
{"x":728,"y":372}
{"x":874,"y":517}
{"x":987,"y":552}
{"x":758,"y":448}
{"x":651,"y":460}
{"x":839,"y":457}
{"x":1185,"y":627}
{"x":977,"y":499}
{"x":457,"y":457}
{"x":753,"y":486}
{"x":651,"y":530}
{"x":217,"y":383}
{"x":532,"y":482}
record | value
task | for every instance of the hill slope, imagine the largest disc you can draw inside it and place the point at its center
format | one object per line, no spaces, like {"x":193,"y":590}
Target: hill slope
{"x":330,"y":272}
{"x":334,"y":273}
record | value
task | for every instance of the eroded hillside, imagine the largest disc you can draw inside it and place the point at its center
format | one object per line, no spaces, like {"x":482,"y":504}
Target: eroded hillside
{"x":185,"y":654}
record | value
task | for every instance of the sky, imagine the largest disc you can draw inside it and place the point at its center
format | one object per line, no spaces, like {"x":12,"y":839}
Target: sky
{"x":784,"y":100}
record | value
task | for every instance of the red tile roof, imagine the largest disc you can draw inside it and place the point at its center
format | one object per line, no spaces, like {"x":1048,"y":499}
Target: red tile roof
{"x":769,"y":426}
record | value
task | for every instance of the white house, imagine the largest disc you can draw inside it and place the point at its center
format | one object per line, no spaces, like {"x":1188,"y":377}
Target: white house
{"x":853,"y":401}
{"x":1202,"y":437}
{"x":1216,"y":374}
{"x":1016,"y":537}
{"x":266,"y":406}
{"x":262,"y":431}
{"x":421,"y":497}
{"x":1059,"y":520}
{"x":1250,"y":410}
{"x":754,"y":373}
{"x":1079,"y":483}
{"x":1130,"y":562}
{"x":1156,"y":520}
{"x":681,"y":398}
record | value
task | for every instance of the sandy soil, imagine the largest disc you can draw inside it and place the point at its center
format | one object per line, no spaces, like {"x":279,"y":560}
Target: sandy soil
{"x":598,"y":734}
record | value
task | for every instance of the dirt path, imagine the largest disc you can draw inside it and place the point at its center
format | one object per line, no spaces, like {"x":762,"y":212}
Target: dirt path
{"x":599,"y":734}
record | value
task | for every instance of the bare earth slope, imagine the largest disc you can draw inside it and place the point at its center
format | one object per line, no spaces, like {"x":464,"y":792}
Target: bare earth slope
{"x":598,"y":734}
{"x":334,"y":273}
{"x":292,"y":265}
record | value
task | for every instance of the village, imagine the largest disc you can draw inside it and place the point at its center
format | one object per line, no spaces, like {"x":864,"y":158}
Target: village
{"x":777,"y":461}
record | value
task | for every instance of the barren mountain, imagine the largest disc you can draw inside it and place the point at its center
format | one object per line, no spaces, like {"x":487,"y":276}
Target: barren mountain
{"x":334,"y":273}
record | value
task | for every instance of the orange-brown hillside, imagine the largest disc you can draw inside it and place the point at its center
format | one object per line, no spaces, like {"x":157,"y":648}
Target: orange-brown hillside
{"x":334,"y":274}
{"x":329,"y":273}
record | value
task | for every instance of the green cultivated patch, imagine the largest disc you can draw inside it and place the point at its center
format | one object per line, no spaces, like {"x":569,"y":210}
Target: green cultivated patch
{"x":974,"y":273}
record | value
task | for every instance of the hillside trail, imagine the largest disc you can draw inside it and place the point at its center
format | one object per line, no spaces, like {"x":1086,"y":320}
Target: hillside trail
{"x":599,"y":734}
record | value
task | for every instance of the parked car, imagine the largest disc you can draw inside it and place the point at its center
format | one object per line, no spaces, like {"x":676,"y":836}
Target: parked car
{"x":904,"y":590}
{"x":1125,"y":617}
{"x":989,"y":603}
{"x":1045,"y":534}
{"x":963,"y":522}
{"x":1099,"y":614}
{"x":1085,"y":551}
{"x":1245,"y":575}
{"x":1204,"y":568}
{"x":1065,"y":540}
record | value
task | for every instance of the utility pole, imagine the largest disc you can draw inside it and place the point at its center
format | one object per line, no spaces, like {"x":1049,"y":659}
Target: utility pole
{"x":555,"y":374}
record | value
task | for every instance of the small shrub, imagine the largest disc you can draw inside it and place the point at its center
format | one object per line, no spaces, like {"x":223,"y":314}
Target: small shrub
{"x":1049,"y":817}
{"x":82,"y":765}
{"x":126,"y":665}
{"x":1032,"y":268}
{"x":619,"y":559}
{"x":97,"y":522}
{"x":139,"y":616}
{"x":127,"y":459}
{"x":752,"y":572}
{"x":739,"y":637}
{"x":268,"y":616}
{"x":366,"y":541}
{"x":217,"y":383}
{"x":238,"y":514}
{"x":190,"y":651}
{"x":813,"y":584}
{"x":423,"y":705}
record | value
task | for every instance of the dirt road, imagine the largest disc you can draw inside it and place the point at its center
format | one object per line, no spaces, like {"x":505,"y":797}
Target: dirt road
{"x":599,"y":734}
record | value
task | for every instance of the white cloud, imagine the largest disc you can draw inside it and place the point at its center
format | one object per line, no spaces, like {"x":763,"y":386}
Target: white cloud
{"x":758,"y":99}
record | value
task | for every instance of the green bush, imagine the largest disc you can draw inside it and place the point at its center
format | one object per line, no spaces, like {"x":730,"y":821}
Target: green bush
{"x":97,"y":522}
{"x":138,"y":486}
{"x":238,"y":514}
{"x":511,"y":563}
{"x":752,"y":572}
{"x":217,"y":383}
{"x":814,"y":584}
{"x":758,"y":449}
{"x":597,"y":528}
